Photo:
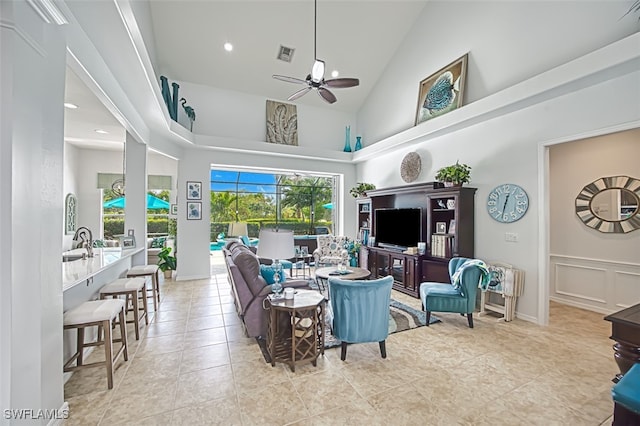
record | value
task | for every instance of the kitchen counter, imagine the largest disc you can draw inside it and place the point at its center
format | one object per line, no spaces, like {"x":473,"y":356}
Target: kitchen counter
{"x":79,"y":271}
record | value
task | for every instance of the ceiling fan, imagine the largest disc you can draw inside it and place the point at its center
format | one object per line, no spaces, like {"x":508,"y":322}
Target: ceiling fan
{"x":316,"y":80}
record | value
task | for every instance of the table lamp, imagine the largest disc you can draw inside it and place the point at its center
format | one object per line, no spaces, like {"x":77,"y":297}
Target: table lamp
{"x":276,"y":244}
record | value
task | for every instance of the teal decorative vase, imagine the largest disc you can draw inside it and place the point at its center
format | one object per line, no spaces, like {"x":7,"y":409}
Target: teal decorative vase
{"x":347,"y":139}
{"x":353,"y":262}
{"x":358,"y":143}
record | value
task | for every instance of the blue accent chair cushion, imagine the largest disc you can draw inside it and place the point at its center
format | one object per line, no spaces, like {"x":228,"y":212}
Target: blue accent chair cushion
{"x":627,"y":391}
{"x":360,"y":310}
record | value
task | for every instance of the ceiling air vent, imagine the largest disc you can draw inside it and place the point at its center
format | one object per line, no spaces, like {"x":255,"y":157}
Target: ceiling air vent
{"x":285,"y":53}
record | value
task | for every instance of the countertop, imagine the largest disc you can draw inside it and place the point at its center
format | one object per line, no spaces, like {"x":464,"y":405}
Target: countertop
{"x":78,"y":271}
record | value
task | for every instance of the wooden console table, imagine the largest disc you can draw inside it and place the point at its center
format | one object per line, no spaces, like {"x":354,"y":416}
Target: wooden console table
{"x":625,"y":330}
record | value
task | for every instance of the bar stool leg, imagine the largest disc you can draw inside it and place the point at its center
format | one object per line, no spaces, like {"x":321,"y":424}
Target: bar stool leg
{"x":108,"y":352}
{"x":80,"y":345}
{"x":136,"y":313}
{"x":145,"y":305}
{"x":123,"y":332}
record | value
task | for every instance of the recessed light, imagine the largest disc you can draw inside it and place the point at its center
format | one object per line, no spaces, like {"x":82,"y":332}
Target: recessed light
{"x":335,"y":73}
{"x":102,"y":132}
{"x":70,"y":105}
{"x":228,"y":47}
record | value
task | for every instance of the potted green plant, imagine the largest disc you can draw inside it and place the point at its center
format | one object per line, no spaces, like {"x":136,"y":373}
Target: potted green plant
{"x":454,"y":175}
{"x":166,"y":262}
{"x":360,"y":190}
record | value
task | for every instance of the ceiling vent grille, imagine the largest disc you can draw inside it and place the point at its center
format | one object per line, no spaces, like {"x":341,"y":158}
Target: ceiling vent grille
{"x":285,"y":53}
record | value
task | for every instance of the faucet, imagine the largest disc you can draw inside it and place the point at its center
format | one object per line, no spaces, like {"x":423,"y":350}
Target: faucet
{"x":83,"y":233}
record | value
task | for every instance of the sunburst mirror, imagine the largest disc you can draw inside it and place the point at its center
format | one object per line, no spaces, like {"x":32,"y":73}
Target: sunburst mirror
{"x":610,"y":204}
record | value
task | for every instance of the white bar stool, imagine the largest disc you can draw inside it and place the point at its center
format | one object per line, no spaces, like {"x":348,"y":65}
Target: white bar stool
{"x":152,"y":271}
{"x":101,"y":313}
{"x":134,"y":291}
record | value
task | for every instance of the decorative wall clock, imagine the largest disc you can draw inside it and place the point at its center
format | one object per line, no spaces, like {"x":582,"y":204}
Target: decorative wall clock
{"x":410,"y":167}
{"x":507,"y":203}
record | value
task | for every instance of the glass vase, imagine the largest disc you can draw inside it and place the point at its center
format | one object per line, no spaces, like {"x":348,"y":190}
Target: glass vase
{"x":347,"y":139}
{"x":358,"y":143}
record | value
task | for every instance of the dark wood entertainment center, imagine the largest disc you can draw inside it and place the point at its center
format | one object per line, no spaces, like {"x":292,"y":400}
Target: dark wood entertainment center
{"x":438,"y":206}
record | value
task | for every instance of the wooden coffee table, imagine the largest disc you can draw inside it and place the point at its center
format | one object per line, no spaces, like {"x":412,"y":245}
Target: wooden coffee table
{"x":323,"y":274}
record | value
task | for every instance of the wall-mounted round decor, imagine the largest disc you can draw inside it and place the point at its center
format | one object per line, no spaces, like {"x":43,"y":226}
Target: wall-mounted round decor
{"x":410,"y":167}
{"x":610,"y":204}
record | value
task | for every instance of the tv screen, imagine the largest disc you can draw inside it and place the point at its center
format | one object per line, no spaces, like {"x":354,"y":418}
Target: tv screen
{"x":398,"y":228}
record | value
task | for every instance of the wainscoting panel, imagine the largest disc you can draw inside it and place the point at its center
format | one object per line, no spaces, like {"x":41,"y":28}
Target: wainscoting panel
{"x":626,"y":288}
{"x":581,"y":282}
{"x":594,"y":284}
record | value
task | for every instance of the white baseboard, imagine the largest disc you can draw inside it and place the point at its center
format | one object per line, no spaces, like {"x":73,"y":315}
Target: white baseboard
{"x":584,"y":306}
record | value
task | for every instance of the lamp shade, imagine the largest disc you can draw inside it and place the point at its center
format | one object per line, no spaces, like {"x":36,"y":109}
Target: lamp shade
{"x":276,"y":244}
{"x":237,"y":229}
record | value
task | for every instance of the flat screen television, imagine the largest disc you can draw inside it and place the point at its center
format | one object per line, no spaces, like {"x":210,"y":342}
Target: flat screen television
{"x":398,"y":228}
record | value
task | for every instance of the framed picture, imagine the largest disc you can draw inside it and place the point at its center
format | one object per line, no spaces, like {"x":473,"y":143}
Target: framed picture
{"x":441,"y":227}
{"x":194,"y":211}
{"x":304,"y":250}
{"x":194,"y":190}
{"x":127,"y":242}
{"x":442,"y":91}
{"x":452,"y":226}
{"x":174,"y":209}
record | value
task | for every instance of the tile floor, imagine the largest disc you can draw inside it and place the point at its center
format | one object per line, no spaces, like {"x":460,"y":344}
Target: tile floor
{"x":193,"y":366}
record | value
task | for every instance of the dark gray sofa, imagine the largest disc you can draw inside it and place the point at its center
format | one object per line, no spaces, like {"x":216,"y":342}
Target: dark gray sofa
{"x":249,"y":289}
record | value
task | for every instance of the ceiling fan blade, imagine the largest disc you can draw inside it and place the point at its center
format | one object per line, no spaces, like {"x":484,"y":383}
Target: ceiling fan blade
{"x":289,"y":79}
{"x":342,"y":82}
{"x":299,"y":94}
{"x":326,"y":95}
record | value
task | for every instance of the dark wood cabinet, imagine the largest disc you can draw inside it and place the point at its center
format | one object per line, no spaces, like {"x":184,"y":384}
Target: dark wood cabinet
{"x":405,"y":268}
{"x":447,"y":228}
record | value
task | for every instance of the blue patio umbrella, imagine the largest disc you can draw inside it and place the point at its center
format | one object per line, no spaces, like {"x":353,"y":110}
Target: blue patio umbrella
{"x":153,"y":203}
{"x":328,"y":206}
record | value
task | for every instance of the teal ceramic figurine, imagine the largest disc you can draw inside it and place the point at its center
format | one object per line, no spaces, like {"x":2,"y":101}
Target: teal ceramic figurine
{"x":358,"y":143}
{"x":347,"y":139}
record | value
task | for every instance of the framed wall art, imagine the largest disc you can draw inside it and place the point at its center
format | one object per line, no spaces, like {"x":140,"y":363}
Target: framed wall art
{"x":442,"y":91}
{"x":194,"y":211}
{"x":194,"y":190}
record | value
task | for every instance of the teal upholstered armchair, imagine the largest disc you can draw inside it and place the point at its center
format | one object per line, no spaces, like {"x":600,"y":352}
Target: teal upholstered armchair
{"x":460,"y":298}
{"x":360,"y":311}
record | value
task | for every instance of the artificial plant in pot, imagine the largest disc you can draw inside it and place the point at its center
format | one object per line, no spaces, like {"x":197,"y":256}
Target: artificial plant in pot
{"x":166,"y":262}
{"x":360,"y":190}
{"x":454,"y":175}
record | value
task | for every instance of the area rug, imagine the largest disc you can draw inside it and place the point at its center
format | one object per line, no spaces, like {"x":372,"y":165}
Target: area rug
{"x":402,"y":317}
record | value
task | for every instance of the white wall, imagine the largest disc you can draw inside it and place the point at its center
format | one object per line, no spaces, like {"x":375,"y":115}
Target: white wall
{"x":85,"y":171}
{"x":590,"y":269}
{"x":32,"y":74}
{"x":507,"y":41}
{"x":505,"y":149}
{"x":193,"y":235}
{"x":227,"y":113}
{"x":70,"y":184}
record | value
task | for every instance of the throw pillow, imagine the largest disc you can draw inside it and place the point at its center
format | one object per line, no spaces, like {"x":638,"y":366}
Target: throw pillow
{"x":158,"y":242}
{"x":268,"y":272}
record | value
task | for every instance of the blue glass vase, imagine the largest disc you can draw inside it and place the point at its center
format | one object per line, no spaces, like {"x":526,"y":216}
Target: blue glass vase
{"x":347,"y":139}
{"x":358,"y":143}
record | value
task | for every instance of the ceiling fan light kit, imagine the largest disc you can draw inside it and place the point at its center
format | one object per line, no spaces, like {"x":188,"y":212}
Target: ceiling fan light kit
{"x":316,"y":80}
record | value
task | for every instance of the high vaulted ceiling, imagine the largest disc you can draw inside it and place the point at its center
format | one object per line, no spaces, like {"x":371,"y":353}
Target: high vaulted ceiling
{"x":358,"y":38}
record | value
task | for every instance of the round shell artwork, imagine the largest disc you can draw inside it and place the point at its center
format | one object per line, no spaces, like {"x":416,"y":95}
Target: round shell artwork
{"x":410,"y":168}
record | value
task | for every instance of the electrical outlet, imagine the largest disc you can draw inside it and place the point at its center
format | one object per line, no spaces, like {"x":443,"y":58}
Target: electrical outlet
{"x":511,"y":237}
